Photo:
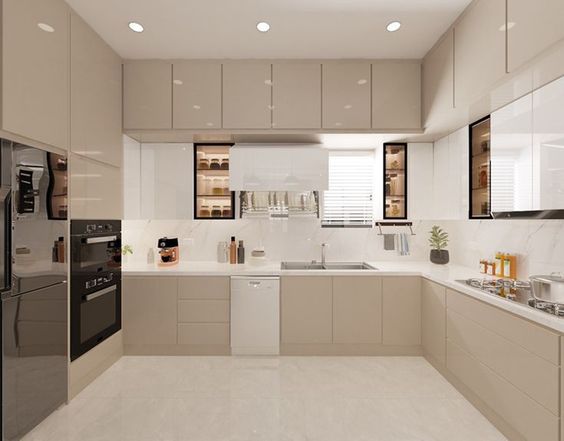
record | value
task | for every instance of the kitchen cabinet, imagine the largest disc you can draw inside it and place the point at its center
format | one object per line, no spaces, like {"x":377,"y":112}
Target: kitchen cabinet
{"x":357,"y":310}
{"x":149,"y":310}
{"x":532,"y":28}
{"x":396,"y":95}
{"x":96,"y":96}
{"x":395,"y":181}
{"x":306,"y":314}
{"x":247,"y":90}
{"x":95,"y":189}
{"x":296,"y":95}
{"x":494,"y":352}
{"x":548,"y":146}
{"x":479,"y":60}
{"x":401,"y":311}
{"x":438,"y":82}
{"x":196,"y":95}
{"x":433,"y":321}
{"x":420,"y":181}
{"x":346,"y":95}
{"x":35,"y":70}
{"x":165,"y":187}
{"x":147,"y":94}
{"x":512,"y":156}
{"x":450,"y":176}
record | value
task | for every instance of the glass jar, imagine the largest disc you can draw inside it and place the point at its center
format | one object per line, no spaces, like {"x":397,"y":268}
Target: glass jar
{"x":216,"y":211}
{"x":217,"y":187}
{"x":203,"y":164}
{"x":201,"y":183}
{"x":207,"y":187}
{"x":225,"y":186}
{"x":205,"y":211}
{"x":226,"y":211}
{"x":214,"y":164}
{"x":225,"y":164}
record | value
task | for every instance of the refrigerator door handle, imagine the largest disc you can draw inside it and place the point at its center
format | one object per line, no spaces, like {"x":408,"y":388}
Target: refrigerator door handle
{"x":6,"y":231}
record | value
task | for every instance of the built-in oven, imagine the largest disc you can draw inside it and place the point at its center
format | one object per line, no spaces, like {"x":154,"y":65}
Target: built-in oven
{"x":95,"y":283}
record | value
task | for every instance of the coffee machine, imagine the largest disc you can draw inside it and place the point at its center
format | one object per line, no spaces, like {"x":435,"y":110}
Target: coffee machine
{"x":168,"y":251}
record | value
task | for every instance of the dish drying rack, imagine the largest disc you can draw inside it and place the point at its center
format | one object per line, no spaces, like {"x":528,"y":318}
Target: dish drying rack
{"x":380,"y":225}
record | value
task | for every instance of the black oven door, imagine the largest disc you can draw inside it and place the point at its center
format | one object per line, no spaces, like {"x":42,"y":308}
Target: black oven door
{"x":96,"y":253}
{"x":96,"y":315}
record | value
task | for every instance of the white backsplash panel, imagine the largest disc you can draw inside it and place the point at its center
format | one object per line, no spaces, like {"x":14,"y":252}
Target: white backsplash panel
{"x":539,"y":245}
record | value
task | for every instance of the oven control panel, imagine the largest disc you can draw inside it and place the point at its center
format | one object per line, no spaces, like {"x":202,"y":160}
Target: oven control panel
{"x":99,"y":281}
{"x":99,"y":228}
{"x":95,"y":227}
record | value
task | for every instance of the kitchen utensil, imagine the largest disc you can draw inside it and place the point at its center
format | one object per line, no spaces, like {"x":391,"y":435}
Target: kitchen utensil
{"x":548,"y":288}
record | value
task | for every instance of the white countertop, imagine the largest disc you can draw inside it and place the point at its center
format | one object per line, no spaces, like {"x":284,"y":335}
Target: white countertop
{"x":446,"y":275}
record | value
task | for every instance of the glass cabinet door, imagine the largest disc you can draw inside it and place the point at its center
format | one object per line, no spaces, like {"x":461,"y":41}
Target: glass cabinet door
{"x":213,"y":199}
{"x":395,"y":185}
{"x":480,"y":170}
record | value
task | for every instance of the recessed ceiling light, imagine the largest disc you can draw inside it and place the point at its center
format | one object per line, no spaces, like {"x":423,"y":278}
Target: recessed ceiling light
{"x":393,"y":26}
{"x":136,"y":27}
{"x":45,"y":27}
{"x":263,"y":26}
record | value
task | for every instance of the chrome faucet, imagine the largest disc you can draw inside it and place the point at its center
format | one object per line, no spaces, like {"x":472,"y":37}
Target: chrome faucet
{"x":324,"y":247}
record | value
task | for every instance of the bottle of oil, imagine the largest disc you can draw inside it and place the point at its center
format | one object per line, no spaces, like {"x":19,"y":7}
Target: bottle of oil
{"x":233,"y":251}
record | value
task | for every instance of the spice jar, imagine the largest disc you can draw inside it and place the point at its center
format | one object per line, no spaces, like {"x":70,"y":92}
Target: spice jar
{"x":214,"y":164}
{"x":204,"y":164}
{"x":216,"y":211}
{"x":205,"y":211}
{"x":226,"y":211}
{"x":217,"y":186}
{"x":225,"y":164}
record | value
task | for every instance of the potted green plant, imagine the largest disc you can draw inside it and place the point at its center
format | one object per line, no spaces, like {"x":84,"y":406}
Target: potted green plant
{"x":438,"y":242}
{"x":121,"y":254}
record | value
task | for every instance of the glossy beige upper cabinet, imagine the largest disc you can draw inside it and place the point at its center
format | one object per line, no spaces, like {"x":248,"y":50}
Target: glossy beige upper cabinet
{"x":532,"y":27}
{"x":95,"y":96}
{"x":35,"y":70}
{"x":95,"y":190}
{"x":479,"y":50}
{"x":438,"y":81}
{"x":396,"y":95}
{"x":147,"y":95}
{"x":247,"y":90}
{"x":346,"y":95}
{"x":296,"y":96}
{"x":196,"y":90}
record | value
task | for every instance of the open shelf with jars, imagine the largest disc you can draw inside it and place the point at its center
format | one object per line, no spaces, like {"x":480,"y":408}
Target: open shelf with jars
{"x":212,"y":196}
{"x":480,"y":170}
{"x":395,"y":181}
{"x":57,"y":192}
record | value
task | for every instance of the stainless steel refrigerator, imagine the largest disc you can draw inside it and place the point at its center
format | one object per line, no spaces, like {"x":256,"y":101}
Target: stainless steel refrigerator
{"x":33,"y":284}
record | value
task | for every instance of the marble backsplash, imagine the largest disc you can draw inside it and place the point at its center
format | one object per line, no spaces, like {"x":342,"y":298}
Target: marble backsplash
{"x":539,"y":245}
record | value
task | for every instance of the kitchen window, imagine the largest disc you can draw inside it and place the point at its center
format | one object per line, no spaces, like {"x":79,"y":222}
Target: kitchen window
{"x":349,"y":200}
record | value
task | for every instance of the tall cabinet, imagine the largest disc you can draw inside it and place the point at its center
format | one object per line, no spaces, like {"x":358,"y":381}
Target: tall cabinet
{"x":480,"y":170}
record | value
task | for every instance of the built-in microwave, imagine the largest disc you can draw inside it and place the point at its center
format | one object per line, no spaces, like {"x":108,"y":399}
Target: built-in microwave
{"x":95,"y":283}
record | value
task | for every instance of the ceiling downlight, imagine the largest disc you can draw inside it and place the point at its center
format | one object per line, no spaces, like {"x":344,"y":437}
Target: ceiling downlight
{"x":393,"y":26}
{"x":136,"y":27}
{"x":263,"y":26}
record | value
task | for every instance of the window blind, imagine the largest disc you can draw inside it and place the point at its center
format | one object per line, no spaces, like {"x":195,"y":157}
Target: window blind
{"x":348,"y":202}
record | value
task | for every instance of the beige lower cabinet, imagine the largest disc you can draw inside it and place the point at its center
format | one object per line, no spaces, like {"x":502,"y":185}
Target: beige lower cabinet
{"x":306,"y":310}
{"x":176,"y":315}
{"x":501,"y":358}
{"x":149,"y":310}
{"x":401,"y":314}
{"x":357,"y":309}
{"x":433,"y":321}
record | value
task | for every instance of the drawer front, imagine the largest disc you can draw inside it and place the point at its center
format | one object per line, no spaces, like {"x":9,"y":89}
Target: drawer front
{"x":203,"y":333}
{"x":534,"y":338}
{"x":433,"y":320}
{"x":401,"y":303}
{"x":203,"y":311}
{"x":522,"y":413}
{"x":520,"y":367}
{"x":202,"y":288}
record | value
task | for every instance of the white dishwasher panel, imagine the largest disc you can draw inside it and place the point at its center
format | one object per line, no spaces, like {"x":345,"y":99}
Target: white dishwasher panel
{"x":255,"y":315}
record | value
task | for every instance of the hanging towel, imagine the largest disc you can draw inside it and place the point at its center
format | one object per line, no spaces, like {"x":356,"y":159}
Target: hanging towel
{"x":389,"y":242}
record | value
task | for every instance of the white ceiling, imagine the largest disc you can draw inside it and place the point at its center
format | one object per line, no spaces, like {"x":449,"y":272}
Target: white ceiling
{"x":299,"y":28}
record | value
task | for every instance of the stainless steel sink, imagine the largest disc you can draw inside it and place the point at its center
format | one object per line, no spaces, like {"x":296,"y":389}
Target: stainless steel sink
{"x":329,"y":266}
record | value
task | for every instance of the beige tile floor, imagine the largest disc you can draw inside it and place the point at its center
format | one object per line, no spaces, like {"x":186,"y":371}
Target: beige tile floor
{"x":268,"y":399}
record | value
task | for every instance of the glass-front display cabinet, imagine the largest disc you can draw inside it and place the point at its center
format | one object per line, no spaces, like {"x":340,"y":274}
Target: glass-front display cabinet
{"x":480,"y":169}
{"x":395,"y":181}
{"x":212,"y":197}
